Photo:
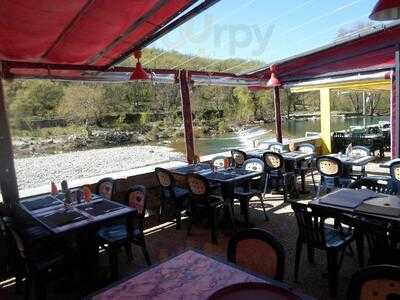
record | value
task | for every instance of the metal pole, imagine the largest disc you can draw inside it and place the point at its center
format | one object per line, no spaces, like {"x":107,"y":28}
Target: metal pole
{"x":278,"y":115}
{"x":8,"y":178}
{"x":397,"y":100}
{"x":187,"y":115}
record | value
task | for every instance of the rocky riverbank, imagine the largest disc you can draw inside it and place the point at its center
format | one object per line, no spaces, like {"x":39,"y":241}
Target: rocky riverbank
{"x":40,"y":170}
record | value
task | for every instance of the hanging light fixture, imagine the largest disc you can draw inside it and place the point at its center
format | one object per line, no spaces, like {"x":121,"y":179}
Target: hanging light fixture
{"x":273,"y":80}
{"x":386,"y":10}
{"x":138,"y":73}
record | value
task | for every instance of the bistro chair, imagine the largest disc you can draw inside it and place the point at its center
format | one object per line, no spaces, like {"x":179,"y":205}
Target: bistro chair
{"x":174,"y":199}
{"x":375,"y":282}
{"x":38,"y":264}
{"x":339,"y":142}
{"x":276,"y":175}
{"x":203,"y":200}
{"x":307,"y":165}
{"x":331,"y":170}
{"x":374,"y":184}
{"x":259,"y":251}
{"x":238,"y":157}
{"x":317,"y":235}
{"x":360,"y":151}
{"x":114,"y":237}
{"x":275,"y":147}
{"x":252,"y":188}
{"x":106,"y":188}
{"x":218,"y":162}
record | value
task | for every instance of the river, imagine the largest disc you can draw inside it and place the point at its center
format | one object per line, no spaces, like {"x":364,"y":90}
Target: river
{"x":291,"y":129}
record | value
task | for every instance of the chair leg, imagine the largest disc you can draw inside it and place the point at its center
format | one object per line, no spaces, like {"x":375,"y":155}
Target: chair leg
{"x":284,"y":190}
{"x":263,"y":207}
{"x":244,"y":208}
{"x":332,"y":256}
{"x":231,"y":218}
{"x":299,"y":246}
{"x":359,"y":238}
{"x":128,"y":251}
{"x":212,"y":216}
{"x":313,"y":181}
{"x":146,"y":254}
{"x":310,"y":254}
{"x":113,"y":260}
{"x":27,"y":287}
{"x":178,"y":220}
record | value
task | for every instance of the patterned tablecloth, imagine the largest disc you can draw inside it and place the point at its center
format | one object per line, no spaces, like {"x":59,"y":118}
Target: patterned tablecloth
{"x":190,"y":275}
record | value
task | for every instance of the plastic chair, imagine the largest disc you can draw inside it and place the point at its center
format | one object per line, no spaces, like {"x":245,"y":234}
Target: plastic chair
{"x":275,"y":147}
{"x":361,"y":151}
{"x":252,"y":188}
{"x":202,"y":199}
{"x":218,"y":162}
{"x":173,"y":198}
{"x":105,"y":187}
{"x":114,"y":237}
{"x":317,"y":235}
{"x":276,"y":175}
{"x":375,"y":282}
{"x":308,"y":165}
{"x":259,"y":251}
{"x":238,"y":157}
{"x":331,"y":170}
{"x":37,"y":263}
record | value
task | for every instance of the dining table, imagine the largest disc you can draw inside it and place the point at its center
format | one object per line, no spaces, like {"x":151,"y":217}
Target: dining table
{"x":191,"y":275}
{"x":225,"y":178}
{"x":79,"y":220}
{"x":368,"y":204}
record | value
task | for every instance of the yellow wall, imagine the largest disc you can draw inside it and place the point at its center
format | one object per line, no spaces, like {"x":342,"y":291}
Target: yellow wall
{"x":325,"y":106}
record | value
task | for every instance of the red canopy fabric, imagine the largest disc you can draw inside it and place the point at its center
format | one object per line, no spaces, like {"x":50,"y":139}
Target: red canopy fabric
{"x":80,"y":32}
{"x":372,"y":51}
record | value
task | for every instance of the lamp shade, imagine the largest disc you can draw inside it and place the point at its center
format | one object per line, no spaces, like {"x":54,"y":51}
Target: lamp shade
{"x":138,"y":73}
{"x":273,"y":80}
{"x":386,"y":10}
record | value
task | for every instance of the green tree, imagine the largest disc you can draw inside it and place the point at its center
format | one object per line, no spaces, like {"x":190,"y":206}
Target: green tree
{"x":84,"y":104}
{"x":34,"y":98}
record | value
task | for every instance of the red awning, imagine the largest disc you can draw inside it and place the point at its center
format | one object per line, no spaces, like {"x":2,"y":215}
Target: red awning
{"x":80,"y":32}
{"x":371,"y":52}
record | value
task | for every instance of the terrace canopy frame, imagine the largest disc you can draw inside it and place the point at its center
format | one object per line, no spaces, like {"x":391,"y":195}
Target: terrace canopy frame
{"x":85,"y":39}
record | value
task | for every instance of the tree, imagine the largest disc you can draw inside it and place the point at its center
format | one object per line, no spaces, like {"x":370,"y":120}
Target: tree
{"x":36,"y":98}
{"x":83,"y":103}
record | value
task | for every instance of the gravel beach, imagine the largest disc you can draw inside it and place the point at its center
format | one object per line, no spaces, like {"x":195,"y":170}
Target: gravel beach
{"x":36,"y":171}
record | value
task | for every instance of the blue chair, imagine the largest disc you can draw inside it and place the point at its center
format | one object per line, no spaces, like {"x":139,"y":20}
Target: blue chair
{"x":276,"y":174}
{"x":252,"y":188}
{"x":307,"y":165}
{"x":331,"y":170}
{"x":173,"y":198}
{"x":238,"y":157}
{"x":113,"y":237}
{"x":275,"y":147}
{"x":361,"y":151}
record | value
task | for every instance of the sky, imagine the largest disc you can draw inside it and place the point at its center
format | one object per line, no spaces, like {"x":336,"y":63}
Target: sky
{"x":265,"y":30}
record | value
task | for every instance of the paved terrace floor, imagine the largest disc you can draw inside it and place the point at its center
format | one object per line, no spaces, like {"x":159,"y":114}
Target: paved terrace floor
{"x":165,"y":241}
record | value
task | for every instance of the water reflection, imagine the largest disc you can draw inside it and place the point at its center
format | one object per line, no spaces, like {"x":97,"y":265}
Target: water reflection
{"x":291,"y":129}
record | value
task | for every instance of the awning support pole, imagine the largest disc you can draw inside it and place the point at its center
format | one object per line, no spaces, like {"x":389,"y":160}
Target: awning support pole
{"x":325,"y":106}
{"x":278,"y":115}
{"x":395,"y":122}
{"x":8,"y":178}
{"x":187,"y":115}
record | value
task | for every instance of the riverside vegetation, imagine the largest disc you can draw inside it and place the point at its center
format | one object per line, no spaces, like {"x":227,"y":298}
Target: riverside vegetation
{"x":52,"y":117}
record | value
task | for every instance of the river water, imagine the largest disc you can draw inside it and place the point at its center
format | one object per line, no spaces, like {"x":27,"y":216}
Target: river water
{"x":291,"y":129}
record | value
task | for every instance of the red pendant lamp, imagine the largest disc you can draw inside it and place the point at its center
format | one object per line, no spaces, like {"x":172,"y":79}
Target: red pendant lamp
{"x":273,"y":80}
{"x":138,"y":73}
{"x":386,"y":10}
